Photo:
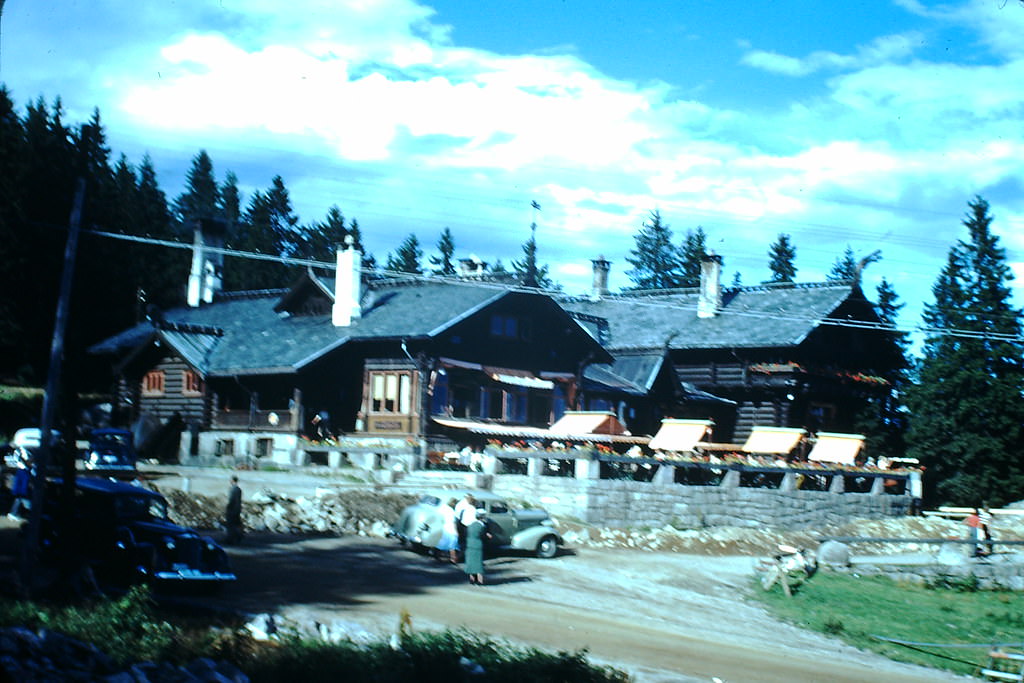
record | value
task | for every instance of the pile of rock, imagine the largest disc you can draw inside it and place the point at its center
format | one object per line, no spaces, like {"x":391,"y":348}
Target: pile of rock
{"x":363,"y":512}
{"x":31,"y":656}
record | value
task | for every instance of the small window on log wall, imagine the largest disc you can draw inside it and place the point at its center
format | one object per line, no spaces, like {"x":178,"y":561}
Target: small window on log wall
{"x":191,"y":383}
{"x":153,"y":383}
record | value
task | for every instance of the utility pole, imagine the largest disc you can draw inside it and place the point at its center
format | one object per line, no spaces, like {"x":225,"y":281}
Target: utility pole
{"x":41,"y":459}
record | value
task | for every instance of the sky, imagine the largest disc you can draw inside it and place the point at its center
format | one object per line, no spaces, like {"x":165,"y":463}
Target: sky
{"x":867,"y":125}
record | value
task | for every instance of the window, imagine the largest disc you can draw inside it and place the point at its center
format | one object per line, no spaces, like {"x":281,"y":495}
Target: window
{"x":153,"y":383}
{"x":510,"y":327}
{"x":264,"y":448}
{"x":224,"y":447}
{"x":191,"y":383}
{"x":391,"y":392}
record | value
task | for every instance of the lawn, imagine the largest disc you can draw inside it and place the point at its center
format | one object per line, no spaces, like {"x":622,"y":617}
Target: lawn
{"x":856,"y":608}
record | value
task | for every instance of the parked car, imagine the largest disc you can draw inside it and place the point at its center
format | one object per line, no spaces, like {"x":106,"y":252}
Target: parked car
{"x":110,"y":449}
{"x":528,"y":529}
{"x":124,"y":533}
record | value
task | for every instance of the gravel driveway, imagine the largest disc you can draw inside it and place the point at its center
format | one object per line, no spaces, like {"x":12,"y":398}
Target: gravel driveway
{"x":661,"y":616}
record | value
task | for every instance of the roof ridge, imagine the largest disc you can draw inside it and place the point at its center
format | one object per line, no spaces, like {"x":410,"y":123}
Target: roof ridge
{"x":190,"y":328}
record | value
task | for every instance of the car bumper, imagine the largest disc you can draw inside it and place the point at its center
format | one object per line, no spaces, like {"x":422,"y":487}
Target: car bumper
{"x":199,"y":576}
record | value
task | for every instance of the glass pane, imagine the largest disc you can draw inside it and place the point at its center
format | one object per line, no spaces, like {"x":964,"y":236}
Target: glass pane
{"x":403,"y":394}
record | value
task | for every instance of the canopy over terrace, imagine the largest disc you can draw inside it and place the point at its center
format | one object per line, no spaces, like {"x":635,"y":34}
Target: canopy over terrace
{"x":773,"y":440}
{"x":838,"y":448}
{"x":680,"y":436}
{"x":576,"y":426}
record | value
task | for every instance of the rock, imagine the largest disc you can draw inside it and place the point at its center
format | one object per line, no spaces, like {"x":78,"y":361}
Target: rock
{"x":951,"y":554}
{"x":262,"y":627}
{"x":834,"y":553}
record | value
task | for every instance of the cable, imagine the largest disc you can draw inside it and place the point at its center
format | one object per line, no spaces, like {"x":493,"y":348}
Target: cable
{"x":634,"y":299}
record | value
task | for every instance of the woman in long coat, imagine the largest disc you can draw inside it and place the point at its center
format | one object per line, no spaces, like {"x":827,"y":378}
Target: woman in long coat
{"x":476,"y":533}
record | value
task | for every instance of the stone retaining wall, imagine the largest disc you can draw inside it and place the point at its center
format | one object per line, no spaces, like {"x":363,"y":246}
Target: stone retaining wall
{"x":657,"y":503}
{"x":984,"y":576}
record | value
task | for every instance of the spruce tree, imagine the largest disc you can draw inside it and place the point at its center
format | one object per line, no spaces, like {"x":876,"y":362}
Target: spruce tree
{"x":966,"y":407}
{"x":849,"y":268}
{"x":443,"y":263}
{"x":406,"y":258}
{"x":527,"y":271}
{"x":655,"y":261}
{"x":201,"y":195}
{"x":230,"y":200}
{"x":782,"y":255}
{"x":691,"y":253}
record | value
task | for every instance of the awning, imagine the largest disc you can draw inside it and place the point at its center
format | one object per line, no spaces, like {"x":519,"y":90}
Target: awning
{"x":690,"y":392}
{"x":522,"y":432}
{"x":680,"y":435}
{"x":838,"y":448}
{"x":521,"y":381}
{"x":588,"y":422}
{"x":773,"y":439}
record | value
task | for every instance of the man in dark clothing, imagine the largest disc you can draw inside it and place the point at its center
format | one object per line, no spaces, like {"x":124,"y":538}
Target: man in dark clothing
{"x":233,"y":513}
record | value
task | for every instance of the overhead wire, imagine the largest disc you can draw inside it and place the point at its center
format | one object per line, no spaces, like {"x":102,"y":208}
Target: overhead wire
{"x":634,"y":299}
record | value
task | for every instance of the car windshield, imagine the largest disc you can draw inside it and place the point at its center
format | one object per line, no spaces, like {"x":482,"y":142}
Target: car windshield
{"x":108,"y":440}
{"x":430,"y":500}
{"x":140,"y":507}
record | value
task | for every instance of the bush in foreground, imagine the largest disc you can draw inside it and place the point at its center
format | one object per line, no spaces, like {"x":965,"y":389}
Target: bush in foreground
{"x":132,"y":629}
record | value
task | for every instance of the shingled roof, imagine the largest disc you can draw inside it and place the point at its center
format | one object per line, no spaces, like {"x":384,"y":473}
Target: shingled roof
{"x":751,"y":317}
{"x":242,"y":333}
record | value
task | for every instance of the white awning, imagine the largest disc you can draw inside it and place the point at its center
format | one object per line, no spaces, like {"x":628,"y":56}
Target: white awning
{"x":838,"y":448}
{"x":773,"y":439}
{"x":588,"y":422}
{"x":680,"y":435}
{"x":521,"y":381}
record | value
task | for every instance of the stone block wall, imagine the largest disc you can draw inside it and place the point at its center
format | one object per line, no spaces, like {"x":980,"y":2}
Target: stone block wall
{"x":632,"y":503}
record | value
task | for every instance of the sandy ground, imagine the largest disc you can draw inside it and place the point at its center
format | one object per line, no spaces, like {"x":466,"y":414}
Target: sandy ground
{"x":660,"y":616}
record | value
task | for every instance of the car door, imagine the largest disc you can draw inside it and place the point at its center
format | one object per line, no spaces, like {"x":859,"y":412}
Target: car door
{"x":502,"y":524}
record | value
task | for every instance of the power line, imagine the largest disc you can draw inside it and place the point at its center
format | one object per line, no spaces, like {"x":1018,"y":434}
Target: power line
{"x":634,"y":300}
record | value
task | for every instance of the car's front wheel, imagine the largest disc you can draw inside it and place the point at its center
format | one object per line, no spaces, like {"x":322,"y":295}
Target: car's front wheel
{"x":547,"y":548}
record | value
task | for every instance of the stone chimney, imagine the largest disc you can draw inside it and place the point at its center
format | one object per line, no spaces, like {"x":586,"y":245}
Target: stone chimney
{"x":205,"y":277}
{"x":599,"y":288}
{"x":709,"y":301}
{"x":347,"y":285}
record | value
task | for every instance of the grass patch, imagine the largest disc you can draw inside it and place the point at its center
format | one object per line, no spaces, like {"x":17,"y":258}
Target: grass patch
{"x":855,"y":608}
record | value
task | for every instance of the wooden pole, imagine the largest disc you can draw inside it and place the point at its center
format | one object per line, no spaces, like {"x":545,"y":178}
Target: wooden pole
{"x":41,"y":459}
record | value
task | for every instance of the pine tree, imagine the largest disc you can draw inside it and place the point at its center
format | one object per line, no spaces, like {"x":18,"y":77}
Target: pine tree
{"x":201,"y":196}
{"x":691,"y":253}
{"x":443,"y":263}
{"x":324,"y":238}
{"x":268,"y":227}
{"x":527,"y":272}
{"x":655,"y":261}
{"x":782,"y":255}
{"x":966,"y":407}
{"x":406,"y":258}
{"x":849,"y":268}
{"x":230,"y":200}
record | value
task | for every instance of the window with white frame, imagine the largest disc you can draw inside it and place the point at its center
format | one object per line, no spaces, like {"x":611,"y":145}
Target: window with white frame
{"x":390,"y":392}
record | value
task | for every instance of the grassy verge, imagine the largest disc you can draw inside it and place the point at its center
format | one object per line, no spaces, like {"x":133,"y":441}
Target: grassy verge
{"x":855,"y":608}
{"x":132,"y":629}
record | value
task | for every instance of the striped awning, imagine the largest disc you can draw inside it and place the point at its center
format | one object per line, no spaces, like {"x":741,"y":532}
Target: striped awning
{"x":773,"y":440}
{"x":838,"y":448}
{"x":680,"y":435}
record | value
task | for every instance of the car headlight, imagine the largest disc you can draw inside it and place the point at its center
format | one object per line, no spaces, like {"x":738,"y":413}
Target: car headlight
{"x":169,"y":542}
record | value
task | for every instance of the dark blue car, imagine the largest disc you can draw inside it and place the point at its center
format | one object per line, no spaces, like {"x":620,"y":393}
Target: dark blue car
{"x":110,"y":449}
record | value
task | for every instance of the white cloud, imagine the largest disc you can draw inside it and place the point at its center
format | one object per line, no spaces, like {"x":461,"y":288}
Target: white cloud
{"x":880,"y":51}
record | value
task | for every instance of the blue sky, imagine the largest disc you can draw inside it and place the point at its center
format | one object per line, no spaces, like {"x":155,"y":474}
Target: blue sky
{"x":868,"y":124}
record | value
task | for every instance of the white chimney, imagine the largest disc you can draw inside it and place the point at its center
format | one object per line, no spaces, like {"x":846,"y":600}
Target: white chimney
{"x":599,"y":286}
{"x":204,"y":279}
{"x":347,"y":285}
{"x":709,"y":302}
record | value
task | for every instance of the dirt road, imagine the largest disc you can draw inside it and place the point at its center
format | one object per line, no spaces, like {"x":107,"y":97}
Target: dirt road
{"x":663,"y":617}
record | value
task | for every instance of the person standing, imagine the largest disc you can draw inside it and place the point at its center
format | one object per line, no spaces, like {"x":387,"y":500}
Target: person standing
{"x":449,"y":541}
{"x":476,"y":534}
{"x":985,"y":526}
{"x":973,"y":521}
{"x":467,"y":503}
{"x":233,"y":513}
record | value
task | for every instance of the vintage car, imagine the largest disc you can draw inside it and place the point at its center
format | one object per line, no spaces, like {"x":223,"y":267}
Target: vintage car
{"x":110,"y":449}
{"x":530,"y":529}
{"x":124,"y":533}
